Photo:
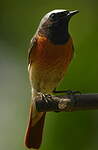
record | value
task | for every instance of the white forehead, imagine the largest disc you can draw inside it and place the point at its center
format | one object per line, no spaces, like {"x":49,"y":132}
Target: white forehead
{"x":48,"y":14}
{"x":55,"y":11}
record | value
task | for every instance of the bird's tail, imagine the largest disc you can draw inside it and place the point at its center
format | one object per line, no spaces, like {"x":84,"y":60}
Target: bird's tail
{"x":33,"y":137}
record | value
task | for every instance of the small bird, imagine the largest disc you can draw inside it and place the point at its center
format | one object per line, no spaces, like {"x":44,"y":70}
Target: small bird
{"x":50,"y":53}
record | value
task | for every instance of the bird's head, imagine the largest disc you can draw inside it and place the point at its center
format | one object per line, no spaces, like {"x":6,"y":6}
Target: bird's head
{"x":54,"y":25}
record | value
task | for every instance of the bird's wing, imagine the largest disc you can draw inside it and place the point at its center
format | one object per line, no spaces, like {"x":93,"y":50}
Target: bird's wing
{"x":32,"y":51}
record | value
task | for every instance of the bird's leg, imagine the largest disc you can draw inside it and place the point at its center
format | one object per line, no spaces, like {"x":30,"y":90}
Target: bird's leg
{"x":68,"y":92}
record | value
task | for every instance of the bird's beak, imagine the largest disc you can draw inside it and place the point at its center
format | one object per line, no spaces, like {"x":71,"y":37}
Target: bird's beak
{"x":72,"y":13}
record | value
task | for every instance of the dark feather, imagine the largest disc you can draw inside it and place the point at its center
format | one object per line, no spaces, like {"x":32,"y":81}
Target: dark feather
{"x":31,"y":51}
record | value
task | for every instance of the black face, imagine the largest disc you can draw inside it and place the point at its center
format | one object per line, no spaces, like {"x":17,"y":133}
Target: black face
{"x":55,"y":26}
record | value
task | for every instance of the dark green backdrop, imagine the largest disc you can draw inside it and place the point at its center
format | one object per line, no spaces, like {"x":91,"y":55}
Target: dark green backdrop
{"x":63,"y":131}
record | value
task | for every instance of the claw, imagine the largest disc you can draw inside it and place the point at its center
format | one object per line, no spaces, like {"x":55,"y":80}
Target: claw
{"x":46,"y":97}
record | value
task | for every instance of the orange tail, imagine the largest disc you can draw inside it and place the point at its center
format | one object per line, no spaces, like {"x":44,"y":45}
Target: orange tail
{"x":34,"y":131}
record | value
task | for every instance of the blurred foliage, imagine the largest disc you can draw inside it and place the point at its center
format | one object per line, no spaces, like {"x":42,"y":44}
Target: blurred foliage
{"x":63,"y":131}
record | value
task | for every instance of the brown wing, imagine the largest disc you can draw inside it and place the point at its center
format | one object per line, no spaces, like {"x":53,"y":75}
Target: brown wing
{"x":32,"y":51}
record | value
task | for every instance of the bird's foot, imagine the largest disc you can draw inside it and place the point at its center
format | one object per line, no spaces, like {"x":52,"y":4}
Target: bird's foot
{"x":46,"y":97}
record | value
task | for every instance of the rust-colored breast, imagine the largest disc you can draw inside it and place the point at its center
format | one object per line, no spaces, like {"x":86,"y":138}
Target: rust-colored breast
{"x":48,"y":54}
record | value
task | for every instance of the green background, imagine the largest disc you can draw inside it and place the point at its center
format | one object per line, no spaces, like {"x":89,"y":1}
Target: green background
{"x":63,"y":131}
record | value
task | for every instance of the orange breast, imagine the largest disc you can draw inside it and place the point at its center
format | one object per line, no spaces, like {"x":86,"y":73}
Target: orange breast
{"x":49,"y":55}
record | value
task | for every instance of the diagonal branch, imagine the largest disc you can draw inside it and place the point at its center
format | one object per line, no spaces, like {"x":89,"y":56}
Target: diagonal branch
{"x":66,"y":103}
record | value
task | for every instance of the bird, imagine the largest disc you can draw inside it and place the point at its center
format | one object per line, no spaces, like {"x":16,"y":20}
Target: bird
{"x":50,"y":53}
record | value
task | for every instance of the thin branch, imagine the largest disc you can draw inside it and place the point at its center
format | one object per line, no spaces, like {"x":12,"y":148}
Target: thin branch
{"x":66,"y":103}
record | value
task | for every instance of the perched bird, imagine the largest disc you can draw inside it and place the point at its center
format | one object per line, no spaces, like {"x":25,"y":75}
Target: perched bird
{"x":50,"y":53}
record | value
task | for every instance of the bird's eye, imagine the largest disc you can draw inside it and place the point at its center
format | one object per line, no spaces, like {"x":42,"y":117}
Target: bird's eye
{"x":52,"y":16}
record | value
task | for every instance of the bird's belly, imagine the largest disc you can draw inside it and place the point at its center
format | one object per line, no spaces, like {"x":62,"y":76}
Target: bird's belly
{"x":45,"y":80}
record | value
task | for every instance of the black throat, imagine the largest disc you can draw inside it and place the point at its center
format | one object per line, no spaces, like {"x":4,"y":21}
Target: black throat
{"x":57,"y":33}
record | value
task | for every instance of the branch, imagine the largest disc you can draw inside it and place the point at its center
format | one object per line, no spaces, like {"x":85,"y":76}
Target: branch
{"x":66,"y":103}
